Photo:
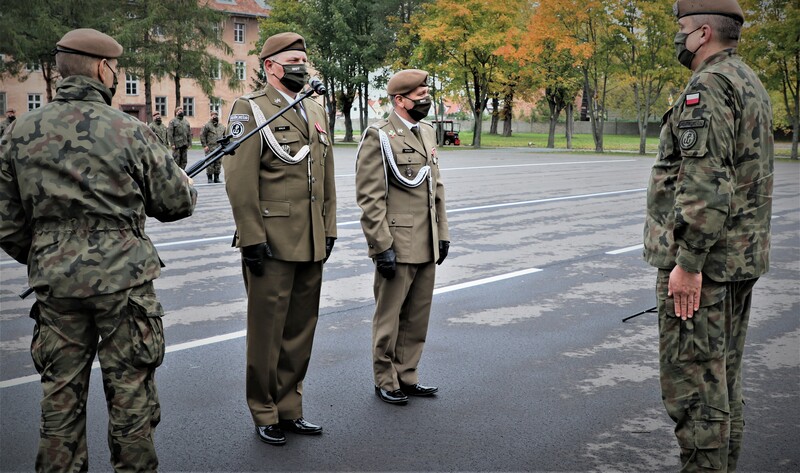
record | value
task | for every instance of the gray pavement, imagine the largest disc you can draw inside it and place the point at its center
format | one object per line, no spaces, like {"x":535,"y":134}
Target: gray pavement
{"x":536,"y":370}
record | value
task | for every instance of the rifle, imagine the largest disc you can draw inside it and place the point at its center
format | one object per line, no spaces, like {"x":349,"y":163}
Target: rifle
{"x":228,"y":147}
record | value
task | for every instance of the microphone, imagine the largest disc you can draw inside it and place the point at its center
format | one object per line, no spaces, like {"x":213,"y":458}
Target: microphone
{"x":318,"y":86}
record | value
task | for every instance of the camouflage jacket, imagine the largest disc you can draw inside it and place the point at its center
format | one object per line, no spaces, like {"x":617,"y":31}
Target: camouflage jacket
{"x":210,"y":134}
{"x":160,"y":131}
{"x":179,"y":133}
{"x":709,"y":200}
{"x":4,"y":125}
{"x":77,"y":180}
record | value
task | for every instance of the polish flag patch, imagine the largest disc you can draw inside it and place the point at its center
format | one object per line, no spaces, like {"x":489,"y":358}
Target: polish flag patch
{"x":693,"y":99}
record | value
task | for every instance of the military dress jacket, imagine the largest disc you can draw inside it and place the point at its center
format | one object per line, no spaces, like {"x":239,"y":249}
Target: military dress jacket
{"x":160,"y":131}
{"x":78,"y":179}
{"x":179,"y":133}
{"x":410,"y":220}
{"x":709,"y":199}
{"x":210,"y":134}
{"x":292,"y":207}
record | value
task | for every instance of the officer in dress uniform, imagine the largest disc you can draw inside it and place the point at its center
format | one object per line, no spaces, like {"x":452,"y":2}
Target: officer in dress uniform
{"x":401,"y":196}
{"x":280,"y":184}
{"x":707,"y":230}
{"x":75,"y":215}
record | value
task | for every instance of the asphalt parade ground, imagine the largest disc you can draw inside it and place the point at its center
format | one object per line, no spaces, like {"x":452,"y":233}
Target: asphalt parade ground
{"x":537,"y":371}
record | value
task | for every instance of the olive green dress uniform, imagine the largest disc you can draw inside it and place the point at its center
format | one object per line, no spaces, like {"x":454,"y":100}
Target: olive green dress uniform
{"x":179,"y":133}
{"x":75,"y":215}
{"x":209,"y":135}
{"x":160,"y":131}
{"x":411,"y":221}
{"x":291,"y":207}
{"x":708,"y":210}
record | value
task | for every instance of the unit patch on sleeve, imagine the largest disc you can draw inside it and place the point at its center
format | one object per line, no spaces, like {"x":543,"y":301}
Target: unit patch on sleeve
{"x":688,"y":139}
{"x":237,"y":129}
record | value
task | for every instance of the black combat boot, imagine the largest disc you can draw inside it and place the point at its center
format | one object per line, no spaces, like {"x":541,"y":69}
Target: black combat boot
{"x":209,"y":179}
{"x":216,"y":178}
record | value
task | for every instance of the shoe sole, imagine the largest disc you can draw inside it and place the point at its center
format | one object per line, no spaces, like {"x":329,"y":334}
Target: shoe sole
{"x":270,"y":442}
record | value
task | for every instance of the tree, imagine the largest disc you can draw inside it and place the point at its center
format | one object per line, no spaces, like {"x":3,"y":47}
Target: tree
{"x":468,"y":34}
{"x":771,"y":44}
{"x":647,"y":60}
{"x":32,"y":28}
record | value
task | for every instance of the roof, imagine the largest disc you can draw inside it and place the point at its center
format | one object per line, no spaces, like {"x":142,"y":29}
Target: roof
{"x":249,"y":8}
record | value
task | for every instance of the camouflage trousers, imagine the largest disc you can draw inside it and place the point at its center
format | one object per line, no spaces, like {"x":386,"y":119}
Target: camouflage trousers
{"x":214,"y":168}
{"x":127,"y":335}
{"x":701,"y":372}
{"x":180,"y":156}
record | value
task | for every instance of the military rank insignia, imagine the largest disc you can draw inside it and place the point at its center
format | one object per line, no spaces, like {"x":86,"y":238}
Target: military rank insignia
{"x":693,"y":99}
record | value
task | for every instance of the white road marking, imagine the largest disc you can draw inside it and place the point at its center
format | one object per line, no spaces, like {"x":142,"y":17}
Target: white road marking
{"x":231,"y":336}
{"x":520,"y":165}
{"x":625,"y":250}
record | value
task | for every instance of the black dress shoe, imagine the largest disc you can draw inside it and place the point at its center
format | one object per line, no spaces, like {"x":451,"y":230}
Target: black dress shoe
{"x":300,"y":426}
{"x":271,"y":434}
{"x":418,"y":389}
{"x":392,"y":397}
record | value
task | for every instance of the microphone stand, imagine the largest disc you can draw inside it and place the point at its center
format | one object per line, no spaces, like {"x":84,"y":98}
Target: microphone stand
{"x":227,"y":147}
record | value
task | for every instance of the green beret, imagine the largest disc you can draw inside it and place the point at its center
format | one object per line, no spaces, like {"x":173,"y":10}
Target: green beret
{"x":89,"y":42}
{"x":729,"y":8}
{"x":406,"y":81}
{"x":280,"y":42}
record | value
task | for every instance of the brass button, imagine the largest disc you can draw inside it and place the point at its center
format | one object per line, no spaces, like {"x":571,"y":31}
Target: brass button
{"x":409,"y":160}
{"x":313,"y":199}
{"x":393,"y":221}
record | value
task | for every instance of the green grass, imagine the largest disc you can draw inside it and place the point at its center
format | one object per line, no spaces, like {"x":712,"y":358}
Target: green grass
{"x":583,"y":142}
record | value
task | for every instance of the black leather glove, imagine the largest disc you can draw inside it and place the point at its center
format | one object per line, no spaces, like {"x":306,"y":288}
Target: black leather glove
{"x":444,"y":248}
{"x":254,"y":256}
{"x":386,"y":263}
{"x":329,"y":241}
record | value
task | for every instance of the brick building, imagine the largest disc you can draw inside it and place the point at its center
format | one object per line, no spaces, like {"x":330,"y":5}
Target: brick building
{"x":239,"y":31}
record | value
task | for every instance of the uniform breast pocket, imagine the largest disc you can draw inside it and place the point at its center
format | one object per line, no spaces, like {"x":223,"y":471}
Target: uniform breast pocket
{"x":400,"y":227}
{"x":409,"y":157}
{"x":288,"y":142}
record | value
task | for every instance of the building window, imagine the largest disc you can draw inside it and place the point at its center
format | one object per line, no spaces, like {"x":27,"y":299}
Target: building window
{"x":161,"y":106}
{"x":131,"y":84}
{"x":188,"y":106}
{"x":216,"y":73}
{"x":214,"y":105}
{"x":241,"y":70}
{"x":3,"y":103}
{"x":33,"y":67}
{"x":34,"y":101}
{"x":238,"y":32}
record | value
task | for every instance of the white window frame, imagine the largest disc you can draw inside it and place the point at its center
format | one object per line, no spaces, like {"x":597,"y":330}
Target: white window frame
{"x":34,"y":101}
{"x":161,"y":108}
{"x":188,"y":106}
{"x":3,"y":103}
{"x":241,"y":70}
{"x":33,"y":67}
{"x":239,"y":30}
{"x":131,"y":84}
{"x":216,"y":74}
{"x":215,"y":105}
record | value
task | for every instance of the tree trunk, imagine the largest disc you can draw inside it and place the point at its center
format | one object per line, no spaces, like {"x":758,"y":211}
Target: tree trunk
{"x":508,"y":115}
{"x":177,"y":81}
{"x":477,"y":128}
{"x":495,"y":115}
{"x":148,"y":98}
{"x":570,"y":124}
{"x":47,"y":74}
{"x":347,"y":105}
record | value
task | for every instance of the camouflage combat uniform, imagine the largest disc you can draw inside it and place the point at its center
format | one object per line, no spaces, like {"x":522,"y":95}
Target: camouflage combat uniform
{"x":208,"y":137}
{"x":709,"y":206}
{"x":161,"y":132}
{"x":77,"y":180}
{"x":179,"y":133}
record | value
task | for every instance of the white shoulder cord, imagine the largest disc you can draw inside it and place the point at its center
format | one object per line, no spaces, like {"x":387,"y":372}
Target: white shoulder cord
{"x":266,"y":132}
{"x":388,"y":156}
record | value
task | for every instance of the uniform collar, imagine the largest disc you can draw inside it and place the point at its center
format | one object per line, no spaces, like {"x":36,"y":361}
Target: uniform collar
{"x":82,"y":88}
{"x":717,"y":58}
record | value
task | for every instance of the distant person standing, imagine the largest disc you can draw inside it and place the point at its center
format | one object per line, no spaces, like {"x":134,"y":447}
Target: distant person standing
{"x":11,"y":115}
{"x":707,"y":230}
{"x":75,"y":215}
{"x":212,"y":131}
{"x":179,"y":133}
{"x":401,"y":196}
{"x":158,"y":127}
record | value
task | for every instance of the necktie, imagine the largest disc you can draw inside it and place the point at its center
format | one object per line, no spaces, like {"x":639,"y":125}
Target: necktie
{"x":415,"y":131}
{"x":298,"y":107}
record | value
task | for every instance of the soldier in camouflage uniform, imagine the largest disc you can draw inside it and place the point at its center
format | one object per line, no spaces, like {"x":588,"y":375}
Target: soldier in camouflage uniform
{"x":212,"y":131}
{"x":158,"y":127}
{"x":11,"y":115}
{"x":707,"y":230}
{"x":179,"y":133}
{"x":77,"y":180}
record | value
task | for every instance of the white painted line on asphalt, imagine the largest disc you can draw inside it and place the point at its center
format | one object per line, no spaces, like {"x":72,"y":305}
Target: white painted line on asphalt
{"x":231,"y":336}
{"x":625,"y":250}
{"x":521,"y":165}
{"x":199,"y":240}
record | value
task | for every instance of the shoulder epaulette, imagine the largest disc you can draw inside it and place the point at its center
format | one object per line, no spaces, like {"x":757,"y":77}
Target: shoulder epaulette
{"x":252,"y":95}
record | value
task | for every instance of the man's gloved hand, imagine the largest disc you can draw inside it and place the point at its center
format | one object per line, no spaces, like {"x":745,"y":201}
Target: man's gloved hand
{"x":386,"y":263}
{"x":329,"y":241}
{"x":444,"y":248}
{"x":254,"y":256}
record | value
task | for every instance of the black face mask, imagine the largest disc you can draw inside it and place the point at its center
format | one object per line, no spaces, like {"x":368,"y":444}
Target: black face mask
{"x":158,"y":120}
{"x":12,"y":118}
{"x":180,"y":116}
{"x":420,"y":109}
{"x":215,"y":120}
{"x":113,"y":88}
{"x":294,"y":77}
{"x":685,"y":57}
